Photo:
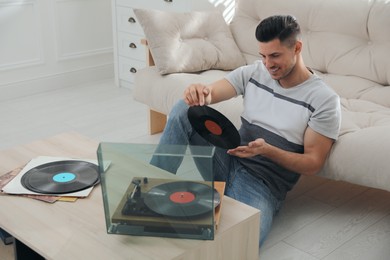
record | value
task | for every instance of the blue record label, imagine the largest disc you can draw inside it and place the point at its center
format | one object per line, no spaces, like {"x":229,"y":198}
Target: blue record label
{"x":64,"y":177}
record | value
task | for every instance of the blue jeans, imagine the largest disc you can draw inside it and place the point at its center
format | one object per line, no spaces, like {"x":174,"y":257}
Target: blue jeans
{"x":240,"y":184}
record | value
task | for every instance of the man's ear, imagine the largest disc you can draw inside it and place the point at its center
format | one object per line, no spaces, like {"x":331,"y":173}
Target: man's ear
{"x":298,"y":47}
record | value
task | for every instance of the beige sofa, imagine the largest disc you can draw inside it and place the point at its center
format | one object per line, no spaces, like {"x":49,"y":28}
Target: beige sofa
{"x":347,"y":43}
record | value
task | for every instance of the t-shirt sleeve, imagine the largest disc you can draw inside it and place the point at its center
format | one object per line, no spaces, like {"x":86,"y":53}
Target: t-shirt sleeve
{"x":239,"y":77}
{"x":326,"y":119}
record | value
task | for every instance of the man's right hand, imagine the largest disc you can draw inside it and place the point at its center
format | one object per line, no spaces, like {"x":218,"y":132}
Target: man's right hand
{"x":197,"y":95}
{"x":200,"y":95}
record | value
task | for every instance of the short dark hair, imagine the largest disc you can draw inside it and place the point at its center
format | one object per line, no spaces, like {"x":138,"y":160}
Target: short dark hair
{"x":282,"y":27}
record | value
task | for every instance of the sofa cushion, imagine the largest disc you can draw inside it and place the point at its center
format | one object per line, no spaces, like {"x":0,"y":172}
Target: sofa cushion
{"x":361,"y":153}
{"x":189,"y":42}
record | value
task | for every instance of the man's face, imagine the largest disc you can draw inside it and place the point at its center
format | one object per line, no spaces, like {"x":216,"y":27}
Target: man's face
{"x":278,"y":58}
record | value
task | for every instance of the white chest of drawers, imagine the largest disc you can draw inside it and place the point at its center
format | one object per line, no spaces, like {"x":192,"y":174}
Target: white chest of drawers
{"x":129,"y":53}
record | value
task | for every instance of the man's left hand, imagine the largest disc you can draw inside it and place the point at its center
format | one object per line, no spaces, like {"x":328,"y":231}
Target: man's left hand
{"x":256,"y":147}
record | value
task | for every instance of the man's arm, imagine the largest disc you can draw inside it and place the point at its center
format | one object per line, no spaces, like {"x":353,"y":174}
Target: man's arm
{"x":199,"y":94}
{"x":316,"y":150}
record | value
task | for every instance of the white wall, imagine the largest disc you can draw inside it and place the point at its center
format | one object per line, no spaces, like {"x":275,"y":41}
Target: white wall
{"x":48,"y":44}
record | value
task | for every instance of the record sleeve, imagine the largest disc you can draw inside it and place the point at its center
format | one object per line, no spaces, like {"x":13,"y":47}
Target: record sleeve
{"x":61,"y":177}
{"x":15,"y":186}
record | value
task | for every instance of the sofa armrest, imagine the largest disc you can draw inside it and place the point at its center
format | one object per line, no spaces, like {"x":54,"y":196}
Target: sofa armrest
{"x":156,"y":119}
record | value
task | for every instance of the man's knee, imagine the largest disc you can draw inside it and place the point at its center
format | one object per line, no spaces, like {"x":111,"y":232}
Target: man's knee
{"x":179,"y":109}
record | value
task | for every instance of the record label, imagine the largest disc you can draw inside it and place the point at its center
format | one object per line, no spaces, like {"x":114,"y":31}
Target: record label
{"x":214,"y":127}
{"x":61,"y":177}
{"x":64,"y":177}
{"x":182,"y":199}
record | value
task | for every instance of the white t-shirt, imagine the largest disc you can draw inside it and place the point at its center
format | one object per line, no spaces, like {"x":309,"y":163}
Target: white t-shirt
{"x":281,"y":116}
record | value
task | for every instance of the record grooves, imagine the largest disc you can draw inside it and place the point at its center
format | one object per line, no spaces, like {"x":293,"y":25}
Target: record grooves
{"x":180,"y":199}
{"x":214,"y":127}
{"x":61,"y":177}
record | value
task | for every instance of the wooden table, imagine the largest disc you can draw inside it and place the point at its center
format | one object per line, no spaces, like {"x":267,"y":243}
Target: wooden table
{"x":76,"y":230}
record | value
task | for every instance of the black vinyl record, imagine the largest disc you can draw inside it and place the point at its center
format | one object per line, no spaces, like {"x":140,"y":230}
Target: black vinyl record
{"x":182,"y":199}
{"x":61,"y":177}
{"x":214,"y":127}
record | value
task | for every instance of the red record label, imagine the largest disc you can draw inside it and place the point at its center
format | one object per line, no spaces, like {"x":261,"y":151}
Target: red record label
{"x":182,"y":197}
{"x":213,"y":127}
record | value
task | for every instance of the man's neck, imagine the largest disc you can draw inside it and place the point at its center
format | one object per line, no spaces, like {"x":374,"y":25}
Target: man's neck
{"x":298,"y":75}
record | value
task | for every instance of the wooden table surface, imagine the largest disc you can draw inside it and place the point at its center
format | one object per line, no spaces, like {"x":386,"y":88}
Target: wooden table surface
{"x":77,"y":230}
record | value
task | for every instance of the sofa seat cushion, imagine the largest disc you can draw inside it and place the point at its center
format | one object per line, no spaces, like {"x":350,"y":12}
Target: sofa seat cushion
{"x":363,"y":145}
{"x":361,"y":153}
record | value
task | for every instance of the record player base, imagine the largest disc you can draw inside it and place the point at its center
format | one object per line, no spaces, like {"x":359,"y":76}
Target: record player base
{"x":77,"y":230}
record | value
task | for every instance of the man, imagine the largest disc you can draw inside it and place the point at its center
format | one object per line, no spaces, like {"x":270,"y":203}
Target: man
{"x":290,"y":121}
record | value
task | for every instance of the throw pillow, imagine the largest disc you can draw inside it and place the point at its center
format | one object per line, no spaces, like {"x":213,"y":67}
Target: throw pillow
{"x":189,"y":42}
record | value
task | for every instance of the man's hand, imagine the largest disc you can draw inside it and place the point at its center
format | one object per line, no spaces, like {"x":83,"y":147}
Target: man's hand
{"x":256,"y":147}
{"x":197,"y":95}
{"x":200,"y":95}
{"x":316,"y":150}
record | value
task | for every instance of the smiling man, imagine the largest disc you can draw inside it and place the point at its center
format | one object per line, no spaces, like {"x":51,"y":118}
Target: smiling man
{"x":290,"y":121}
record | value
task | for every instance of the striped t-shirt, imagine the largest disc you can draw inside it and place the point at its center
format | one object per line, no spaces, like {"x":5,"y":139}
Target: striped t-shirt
{"x":280,"y":116}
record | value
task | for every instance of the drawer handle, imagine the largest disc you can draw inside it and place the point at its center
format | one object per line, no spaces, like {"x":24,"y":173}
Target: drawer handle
{"x":168,"y":1}
{"x":132,"y":45}
{"x":133,"y":70}
{"x":131,"y":20}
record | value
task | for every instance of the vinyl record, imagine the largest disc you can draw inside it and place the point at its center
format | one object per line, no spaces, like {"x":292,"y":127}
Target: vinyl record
{"x":61,"y":177}
{"x":214,"y":127}
{"x":181,"y":199}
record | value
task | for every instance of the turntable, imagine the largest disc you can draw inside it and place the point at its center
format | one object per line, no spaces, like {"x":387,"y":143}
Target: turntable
{"x":169,"y":208}
{"x":142,"y":199}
